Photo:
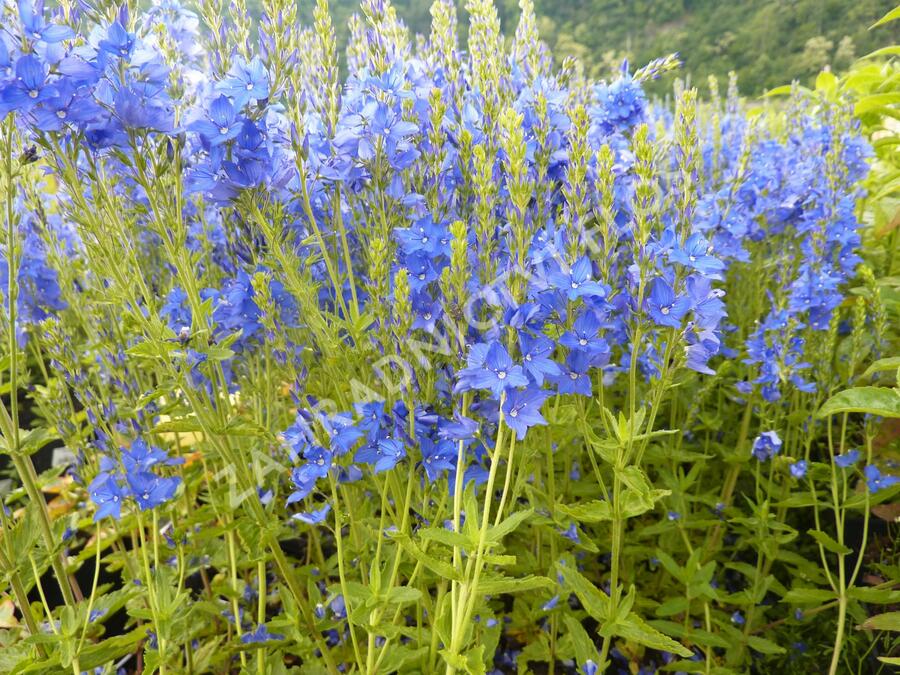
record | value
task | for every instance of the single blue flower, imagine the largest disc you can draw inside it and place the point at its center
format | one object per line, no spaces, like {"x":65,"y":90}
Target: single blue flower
{"x":848,"y":459}
{"x":522,"y":410}
{"x":313,"y":517}
{"x":766,"y":445}
{"x":261,"y":634}
{"x":798,"y":469}
{"x":222,"y":123}
{"x":150,"y":490}
{"x":383,"y":454}
{"x":498,"y":373}
{"x":35,"y":28}
{"x":245,"y":81}
{"x":574,"y":378}
{"x":876,"y":481}
{"x":578,"y":281}
{"x":665,"y":308}
{"x":107,"y":494}
{"x":536,"y":353}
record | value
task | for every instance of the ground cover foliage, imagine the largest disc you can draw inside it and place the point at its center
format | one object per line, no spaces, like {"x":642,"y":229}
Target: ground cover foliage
{"x":460,"y":363}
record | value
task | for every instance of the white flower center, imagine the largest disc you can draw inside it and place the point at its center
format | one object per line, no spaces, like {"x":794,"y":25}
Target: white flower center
{"x":582,"y":342}
{"x":664,"y":310}
{"x":501,"y":375}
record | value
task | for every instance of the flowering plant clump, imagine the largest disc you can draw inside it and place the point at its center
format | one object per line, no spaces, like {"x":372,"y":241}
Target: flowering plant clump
{"x":461,"y":363}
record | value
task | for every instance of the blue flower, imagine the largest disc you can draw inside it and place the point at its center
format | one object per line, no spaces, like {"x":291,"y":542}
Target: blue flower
{"x":222,"y":123}
{"x":29,"y":87}
{"x":848,"y":459}
{"x":383,"y":454}
{"x":766,"y":445}
{"x":584,"y":336}
{"x":696,"y":254}
{"x":118,"y":41}
{"x":877,"y":481}
{"x":107,"y":494}
{"x":313,"y":517}
{"x":536,"y":361}
{"x":261,"y":634}
{"x":551,"y":603}
{"x":798,"y":469}
{"x":578,"y":281}
{"x":665,"y":308}
{"x":522,"y":410}
{"x":497,"y":373}
{"x":738,"y":619}
{"x":589,"y":668}
{"x":574,"y":378}
{"x":245,"y":81}
{"x":35,"y":28}
{"x":438,"y":457}
{"x":150,"y":490}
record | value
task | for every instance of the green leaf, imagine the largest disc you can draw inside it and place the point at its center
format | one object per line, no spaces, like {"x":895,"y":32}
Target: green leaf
{"x":875,"y":101}
{"x":888,"y":621}
{"x":403,"y":595}
{"x":594,"y":601}
{"x":499,"y":585}
{"x":497,"y":532}
{"x":439,"y":567}
{"x":446,"y":537}
{"x":893,"y":50}
{"x":890,"y":660}
{"x":874,"y":596}
{"x":882,"y":365}
{"x":808,"y":596}
{"x":594,"y":511}
{"x":585,"y":649}
{"x":893,"y":15}
{"x":828,"y":543}
{"x":873,"y":400}
{"x":636,"y":629}
{"x":764,"y":646}
{"x":672,"y":606}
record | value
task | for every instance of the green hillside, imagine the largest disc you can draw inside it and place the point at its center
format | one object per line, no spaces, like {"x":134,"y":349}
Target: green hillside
{"x":768,"y":42}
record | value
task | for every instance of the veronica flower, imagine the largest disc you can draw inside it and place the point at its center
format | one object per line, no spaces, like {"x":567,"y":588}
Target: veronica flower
{"x":438,"y":457}
{"x":150,"y":490}
{"x":574,"y":377}
{"x":584,"y":336}
{"x":497,"y":374}
{"x":696,"y":254}
{"x":222,"y":123}
{"x":536,"y":352}
{"x":245,"y":81}
{"x":313,"y":517}
{"x":383,"y":454}
{"x":665,"y":308}
{"x":522,"y":410}
{"x":261,"y":634}
{"x":766,"y":445}
{"x":798,"y":469}
{"x":876,"y":481}
{"x":578,"y":281}
{"x":848,"y":459}
{"x":35,"y":28}
{"x":30,"y":86}
{"x":107,"y":494}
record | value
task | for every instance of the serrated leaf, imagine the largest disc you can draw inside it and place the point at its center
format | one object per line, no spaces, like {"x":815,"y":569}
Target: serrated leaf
{"x":594,"y":601}
{"x":764,"y":646}
{"x":893,"y":15}
{"x":888,"y":621}
{"x":634,"y":628}
{"x":594,"y":511}
{"x":508,"y":525}
{"x":828,"y":543}
{"x":500,"y":585}
{"x":874,"y":596}
{"x":880,"y":401}
{"x":808,"y":596}
{"x":585,"y":649}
